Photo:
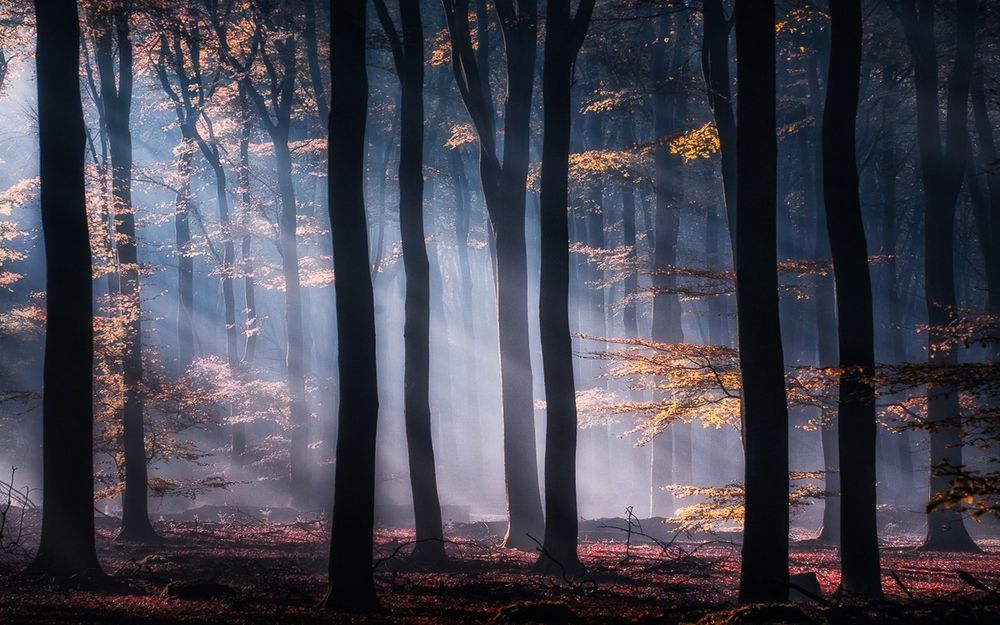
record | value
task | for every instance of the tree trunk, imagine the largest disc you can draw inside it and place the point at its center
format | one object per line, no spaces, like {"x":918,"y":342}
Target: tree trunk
{"x":503,"y":182}
{"x":988,"y":228}
{"x":715,"y":67}
{"x":113,"y":31}
{"x":942,"y":171}
{"x":66,"y":550}
{"x":185,"y":266}
{"x":860,"y":568}
{"x":462,"y":218}
{"x":246,"y":207}
{"x":764,"y":570}
{"x":351,"y":583}
{"x":631,"y":285}
{"x":894,"y":343}
{"x":408,"y":52}
{"x":562,"y":41}
{"x":295,"y":360}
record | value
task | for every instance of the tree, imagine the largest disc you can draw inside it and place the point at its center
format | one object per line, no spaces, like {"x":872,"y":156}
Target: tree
{"x":351,"y":583}
{"x":666,"y":323}
{"x":189,"y":100}
{"x":273,"y":43}
{"x":66,"y":550}
{"x":824,"y":308}
{"x":856,"y":420}
{"x":715,"y":67}
{"x":408,"y":56}
{"x":764,"y":571}
{"x":503,"y":181}
{"x":563,"y":37}
{"x":986,"y":209}
{"x":942,"y":171}
{"x":113,"y":39}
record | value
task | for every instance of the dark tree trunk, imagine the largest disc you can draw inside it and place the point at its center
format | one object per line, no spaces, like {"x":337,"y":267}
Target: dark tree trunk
{"x":563,"y":38}
{"x":824,"y":306}
{"x":351,"y":583}
{"x":764,"y":571}
{"x":942,"y":170}
{"x":66,"y":550}
{"x":408,"y":54}
{"x":860,"y":569}
{"x":715,"y":67}
{"x":504,"y":183}
{"x":988,"y":220}
{"x":113,"y":32}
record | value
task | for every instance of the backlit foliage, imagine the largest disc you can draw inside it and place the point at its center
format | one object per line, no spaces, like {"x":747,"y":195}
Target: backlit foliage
{"x":616,"y":164}
{"x":12,"y":236}
{"x":721,"y":507}
{"x":701,"y":142}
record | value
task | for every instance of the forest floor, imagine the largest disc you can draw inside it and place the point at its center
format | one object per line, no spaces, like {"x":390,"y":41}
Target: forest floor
{"x":248,"y":571}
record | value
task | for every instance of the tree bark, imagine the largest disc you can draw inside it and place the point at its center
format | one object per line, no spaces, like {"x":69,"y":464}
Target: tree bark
{"x":859,"y":557}
{"x":185,"y":266}
{"x":113,"y":35}
{"x":942,"y":170}
{"x":504,"y":192}
{"x":66,"y":550}
{"x":351,"y":583}
{"x":564,"y":35}
{"x":408,"y":54}
{"x":764,"y":570}
{"x":989,"y":226}
{"x":715,"y":67}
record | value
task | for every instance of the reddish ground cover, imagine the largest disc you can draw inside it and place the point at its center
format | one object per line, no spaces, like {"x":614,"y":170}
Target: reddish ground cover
{"x":246,"y":571}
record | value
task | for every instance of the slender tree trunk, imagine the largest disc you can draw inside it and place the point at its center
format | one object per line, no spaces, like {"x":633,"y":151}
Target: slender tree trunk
{"x":351,"y":583}
{"x":824,"y":306}
{"x":408,"y":52}
{"x":860,"y":568}
{"x":246,"y":259}
{"x":942,"y":171}
{"x":503,"y":182}
{"x":988,"y":228}
{"x":715,"y":67}
{"x":185,"y":265}
{"x":764,"y":571}
{"x":312,"y":58}
{"x":113,"y":35}
{"x":562,"y":41}
{"x":666,"y":326}
{"x":462,"y":217}
{"x":631,"y":285}
{"x":896,"y":350}
{"x":66,"y":550}
{"x":521,"y":464}
{"x":295,"y":360}
{"x":596,"y":315}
